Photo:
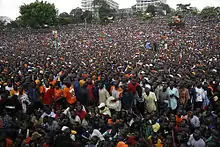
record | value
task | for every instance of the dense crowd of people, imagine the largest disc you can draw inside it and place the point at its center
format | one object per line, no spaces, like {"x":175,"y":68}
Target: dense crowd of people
{"x":99,"y":86}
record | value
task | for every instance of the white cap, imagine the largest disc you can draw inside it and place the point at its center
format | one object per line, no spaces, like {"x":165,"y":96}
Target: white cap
{"x":101,"y":105}
{"x":64,"y":128}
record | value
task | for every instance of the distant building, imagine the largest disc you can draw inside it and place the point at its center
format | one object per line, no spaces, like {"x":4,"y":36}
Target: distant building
{"x":87,"y":5}
{"x":143,"y":4}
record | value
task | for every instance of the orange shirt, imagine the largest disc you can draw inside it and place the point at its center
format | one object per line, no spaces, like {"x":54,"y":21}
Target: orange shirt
{"x":58,"y":93}
{"x":110,"y":122}
{"x":70,"y":98}
{"x":179,"y":120}
{"x":53,"y":82}
{"x":42,"y":90}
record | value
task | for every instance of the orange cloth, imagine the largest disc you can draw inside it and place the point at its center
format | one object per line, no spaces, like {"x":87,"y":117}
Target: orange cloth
{"x":42,"y":90}
{"x":121,"y":144}
{"x":179,"y":120}
{"x":82,"y":82}
{"x":99,"y":78}
{"x":120,"y":90}
{"x":53,"y":82}
{"x":110,"y":122}
{"x":9,"y":142}
{"x":58,"y":93}
{"x":13,"y":92}
{"x":70,"y":98}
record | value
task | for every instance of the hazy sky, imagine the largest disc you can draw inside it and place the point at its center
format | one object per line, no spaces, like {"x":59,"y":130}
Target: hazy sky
{"x":10,"y":8}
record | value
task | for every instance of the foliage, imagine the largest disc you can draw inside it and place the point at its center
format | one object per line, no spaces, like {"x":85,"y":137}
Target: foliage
{"x":102,"y":10}
{"x":143,"y":15}
{"x":13,"y":24}
{"x":210,"y":12}
{"x":2,"y":25}
{"x":77,"y":15}
{"x":165,"y":7}
{"x":64,"y":18}
{"x":151,"y":9}
{"x":87,"y":16}
{"x":183,"y":7}
{"x":38,"y":14}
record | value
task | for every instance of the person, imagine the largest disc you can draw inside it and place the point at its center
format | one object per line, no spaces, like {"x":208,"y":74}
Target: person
{"x":139,"y":100}
{"x":69,"y":94}
{"x":104,"y":110}
{"x":150,"y":101}
{"x":103,"y":94}
{"x":163,"y":99}
{"x":64,"y":138}
{"x":195,"y":140}
{"x":184,"y":95}
{"x":174,"y":96}
{"x":200,"y":96}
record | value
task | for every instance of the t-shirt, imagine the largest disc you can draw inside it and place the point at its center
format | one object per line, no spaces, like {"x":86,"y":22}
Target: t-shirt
{"x":200,"y":94}
{"x":196,"y":143}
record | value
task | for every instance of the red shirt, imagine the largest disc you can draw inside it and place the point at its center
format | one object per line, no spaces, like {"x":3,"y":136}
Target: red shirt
{"x":132,"y":87}
{"x":81,"y":114}
{"x":48,"y":96}
{"x":90,"y":90}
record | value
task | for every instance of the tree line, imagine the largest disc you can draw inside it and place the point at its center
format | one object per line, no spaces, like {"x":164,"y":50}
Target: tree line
{"x":43,"y":14}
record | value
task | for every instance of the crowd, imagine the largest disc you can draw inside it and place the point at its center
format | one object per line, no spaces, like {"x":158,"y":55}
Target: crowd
{"x":99,"y":86}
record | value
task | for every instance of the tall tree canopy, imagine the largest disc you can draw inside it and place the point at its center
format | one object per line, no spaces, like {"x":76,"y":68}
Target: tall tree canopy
{"x":77,"y":14}
{"x":38,"y":14}
{"x":151,"y":9}
{"x":210,"y":12}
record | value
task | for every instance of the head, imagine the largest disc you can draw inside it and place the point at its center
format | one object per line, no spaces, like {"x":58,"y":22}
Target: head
{"x":197,"y":134}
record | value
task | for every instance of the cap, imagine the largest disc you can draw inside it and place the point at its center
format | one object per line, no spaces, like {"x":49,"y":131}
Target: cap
{"x":64,"y":128}
{"x":101,"y":105}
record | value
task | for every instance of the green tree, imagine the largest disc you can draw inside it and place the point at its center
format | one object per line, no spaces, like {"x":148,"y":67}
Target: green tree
{"x":209,"y":12}
{"x":64,"y":18}
{"x":102,"y":10}
{"x":165,"y":7}
{"x":2,"y":25}
{"x":183,"y":7}
{"x":151,"y":9}
{"x":38,"y":14}
{"x":13,"y":24}
{"x":77,"y":14}
{"x":87,"y":16}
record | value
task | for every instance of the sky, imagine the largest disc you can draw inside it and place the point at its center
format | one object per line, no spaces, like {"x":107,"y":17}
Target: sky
{"x":10,"y":8}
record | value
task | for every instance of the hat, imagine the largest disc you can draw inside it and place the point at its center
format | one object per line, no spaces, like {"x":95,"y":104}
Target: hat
{"x":101,"y":105}
{"x":64,"y":128}
{"x":35,"y":136}
{"x":215,"y":98}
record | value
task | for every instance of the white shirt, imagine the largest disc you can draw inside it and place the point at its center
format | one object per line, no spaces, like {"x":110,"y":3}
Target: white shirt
{"x":200,"y":94}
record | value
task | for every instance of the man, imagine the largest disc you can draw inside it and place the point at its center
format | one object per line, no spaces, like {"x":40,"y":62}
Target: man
{"x":200,"y":96}
{"x":163,"y":98}
{"x":104,"y":110}
{"x":195,"y":140}
{"x":132,"y":86}
{"x":64,"y":139}
{"x":173,"y":95}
